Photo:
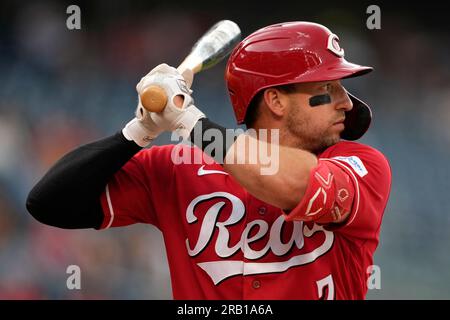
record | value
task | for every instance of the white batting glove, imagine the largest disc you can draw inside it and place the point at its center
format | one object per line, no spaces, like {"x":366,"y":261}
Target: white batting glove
{"x":148,"y":125}
{"x":142,"y":129}
{"x":173,"y":118}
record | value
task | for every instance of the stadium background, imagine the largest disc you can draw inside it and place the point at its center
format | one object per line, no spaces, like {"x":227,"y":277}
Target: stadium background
{"x":61,"y":88}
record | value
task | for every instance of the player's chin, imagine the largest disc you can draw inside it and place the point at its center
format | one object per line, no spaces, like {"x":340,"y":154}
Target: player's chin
{"x":333,"y":137}
{"x":336,"y":130}
{"x":327,"y":141}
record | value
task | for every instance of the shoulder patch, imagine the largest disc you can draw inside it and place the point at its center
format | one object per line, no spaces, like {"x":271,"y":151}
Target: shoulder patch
{"x":356,"y":163}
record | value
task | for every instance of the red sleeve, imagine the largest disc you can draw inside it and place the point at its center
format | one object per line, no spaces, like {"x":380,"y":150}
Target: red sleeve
{"x":128,"y":197}
{"x":370,"y":173}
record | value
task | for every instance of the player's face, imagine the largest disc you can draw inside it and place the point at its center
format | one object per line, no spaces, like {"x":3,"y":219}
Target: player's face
{"x":315,"y":128}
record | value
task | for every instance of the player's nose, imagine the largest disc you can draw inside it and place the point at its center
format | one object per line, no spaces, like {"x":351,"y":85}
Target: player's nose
{"x":343,"y":102}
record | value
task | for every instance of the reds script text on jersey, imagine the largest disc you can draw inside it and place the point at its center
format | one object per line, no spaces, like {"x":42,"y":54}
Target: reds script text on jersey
{"x":222,"y":243}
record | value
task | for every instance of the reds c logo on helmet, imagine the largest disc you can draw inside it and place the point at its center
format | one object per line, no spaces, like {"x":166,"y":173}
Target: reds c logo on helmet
{"x":292,"y":52}
{"x":333,"y":45}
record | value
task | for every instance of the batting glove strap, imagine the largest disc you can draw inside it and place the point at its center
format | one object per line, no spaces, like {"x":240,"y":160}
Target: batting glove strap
{"x":187,"y":120}
{"x":136,"y":131}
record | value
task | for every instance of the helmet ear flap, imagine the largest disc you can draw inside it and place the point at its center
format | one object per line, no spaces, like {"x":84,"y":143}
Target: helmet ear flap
{"x":357,"y":121}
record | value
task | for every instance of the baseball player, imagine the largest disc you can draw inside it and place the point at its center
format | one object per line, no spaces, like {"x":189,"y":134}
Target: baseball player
{"x":308,"y":231}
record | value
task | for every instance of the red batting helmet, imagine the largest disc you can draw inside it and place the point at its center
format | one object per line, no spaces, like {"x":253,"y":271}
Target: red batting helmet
{"x":292,"y":52}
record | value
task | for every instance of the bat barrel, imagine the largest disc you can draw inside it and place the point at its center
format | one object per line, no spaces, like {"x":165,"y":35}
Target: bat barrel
{"x":209,"y":50}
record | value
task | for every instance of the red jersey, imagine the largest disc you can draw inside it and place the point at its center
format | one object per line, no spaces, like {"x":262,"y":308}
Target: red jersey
{"x":223,"y":243}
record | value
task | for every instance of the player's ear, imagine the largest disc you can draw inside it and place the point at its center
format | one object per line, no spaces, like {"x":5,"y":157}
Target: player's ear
{"x":276,"y":101}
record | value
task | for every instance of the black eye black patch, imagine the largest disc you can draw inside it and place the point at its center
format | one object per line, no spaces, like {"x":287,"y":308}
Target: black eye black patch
{"x":319,"y":100}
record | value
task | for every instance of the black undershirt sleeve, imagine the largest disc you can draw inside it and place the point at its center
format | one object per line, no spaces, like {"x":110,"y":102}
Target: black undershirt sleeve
{"x":68,"y":196}
{"x":197,"y":138}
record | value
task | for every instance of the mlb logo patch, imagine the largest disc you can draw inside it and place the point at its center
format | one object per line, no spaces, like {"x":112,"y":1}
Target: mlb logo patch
{"x":355,"y":163}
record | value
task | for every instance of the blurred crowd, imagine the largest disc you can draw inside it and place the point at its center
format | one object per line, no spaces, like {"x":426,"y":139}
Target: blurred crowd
{"x":62,"y":88}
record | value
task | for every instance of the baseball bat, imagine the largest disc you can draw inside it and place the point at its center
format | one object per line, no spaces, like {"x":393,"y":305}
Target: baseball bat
{"x":209,"y":50}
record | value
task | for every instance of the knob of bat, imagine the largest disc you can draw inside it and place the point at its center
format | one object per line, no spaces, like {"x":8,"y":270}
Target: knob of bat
{"x":154,"y":99}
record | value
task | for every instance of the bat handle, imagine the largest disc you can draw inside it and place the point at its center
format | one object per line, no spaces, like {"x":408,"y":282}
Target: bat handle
{"x":154,"y":98}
